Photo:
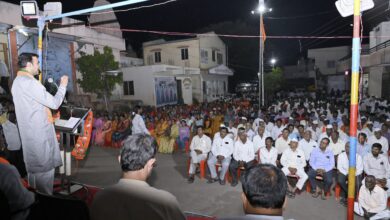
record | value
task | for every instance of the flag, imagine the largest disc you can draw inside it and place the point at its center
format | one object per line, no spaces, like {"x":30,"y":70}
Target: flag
{"x":262,"y":30}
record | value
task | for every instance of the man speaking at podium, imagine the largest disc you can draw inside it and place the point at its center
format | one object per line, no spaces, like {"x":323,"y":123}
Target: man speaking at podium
{"x":32,"y":107}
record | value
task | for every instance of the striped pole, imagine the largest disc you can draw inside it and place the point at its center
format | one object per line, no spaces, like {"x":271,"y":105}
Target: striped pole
{"x":354,"y":107}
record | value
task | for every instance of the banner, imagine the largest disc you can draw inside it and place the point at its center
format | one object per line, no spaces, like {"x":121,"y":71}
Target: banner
{"x":165,"y":90}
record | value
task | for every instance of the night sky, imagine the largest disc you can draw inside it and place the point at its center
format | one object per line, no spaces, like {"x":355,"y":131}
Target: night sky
{"x":288,"y":18}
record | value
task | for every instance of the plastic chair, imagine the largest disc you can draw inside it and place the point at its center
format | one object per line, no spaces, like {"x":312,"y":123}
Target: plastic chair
{"x":202,"y":167}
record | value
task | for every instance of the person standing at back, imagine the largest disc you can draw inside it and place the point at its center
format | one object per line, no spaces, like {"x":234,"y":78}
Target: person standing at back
{"x":138,"y":124}
{"x":32,"y":107}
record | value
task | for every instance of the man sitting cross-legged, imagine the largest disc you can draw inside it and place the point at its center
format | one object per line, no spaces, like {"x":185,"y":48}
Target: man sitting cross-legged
{"x":221,"y":153}
{"x":294,"y":162}
{"x":200,"y":147}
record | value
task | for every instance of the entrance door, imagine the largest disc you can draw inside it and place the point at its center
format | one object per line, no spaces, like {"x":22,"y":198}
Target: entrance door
{"x":179,"y":92}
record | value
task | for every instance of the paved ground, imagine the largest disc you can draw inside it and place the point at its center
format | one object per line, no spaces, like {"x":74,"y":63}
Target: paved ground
{"x":101,"y":168}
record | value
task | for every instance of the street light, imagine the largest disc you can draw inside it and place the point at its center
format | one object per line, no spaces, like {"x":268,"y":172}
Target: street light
{"x":104,"y":77}
{"x":261,"y":10}
{"x":273,"y":62}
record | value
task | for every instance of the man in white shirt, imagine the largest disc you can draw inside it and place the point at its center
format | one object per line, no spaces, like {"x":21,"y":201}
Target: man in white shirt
{"x":315,"y":131}
{"x":282,"y":142}
{"x":200,"y":147}
{"x":377,"y":164}
{"x":362,"y":148}
{"x":232,"y":130}
{"x":327,"y":133}
{"x":138,"y":124}
{"x":294,"y":162}
{"x":243,"y":155}
{"x":343,"y":168}
{"x":378,"y":138}
{"x":268,"y":125}
{"x":277,"y":129}
{"x":249,"y":132}
{"x":268,"y":154}
{"x":307,"y":144}
{"x":336,"y":145}
{"x":372,"y":201}
{"x":369,"y":129}
{"x":221,"y":153}
{"x":259,"y":139}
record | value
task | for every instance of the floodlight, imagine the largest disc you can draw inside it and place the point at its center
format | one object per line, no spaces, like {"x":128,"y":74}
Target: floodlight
{"x":29,"y":8}
{"x":262,"y":8}
{"x":345,"y":7}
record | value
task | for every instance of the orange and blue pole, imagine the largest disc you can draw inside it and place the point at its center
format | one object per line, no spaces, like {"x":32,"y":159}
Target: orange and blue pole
{"x":354,"y":108}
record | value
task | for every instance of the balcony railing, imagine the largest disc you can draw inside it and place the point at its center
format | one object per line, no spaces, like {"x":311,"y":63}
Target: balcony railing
{"x":369,"y":51}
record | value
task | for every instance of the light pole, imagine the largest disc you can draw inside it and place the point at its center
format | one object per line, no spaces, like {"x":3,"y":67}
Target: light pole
{"x":261,"y":9}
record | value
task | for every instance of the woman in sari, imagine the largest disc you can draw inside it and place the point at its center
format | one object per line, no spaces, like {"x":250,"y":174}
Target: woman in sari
{"x":107,"y":131}
{"x":207,"y":126}
{"x":99,"y":136}
{"x":184,"y":134}
{"x":117,"y":137}
{"x":163,"y":131}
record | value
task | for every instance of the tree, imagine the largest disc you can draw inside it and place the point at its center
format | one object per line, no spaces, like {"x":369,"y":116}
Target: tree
{"x":273,"y":81}
{"x":93,"y":68}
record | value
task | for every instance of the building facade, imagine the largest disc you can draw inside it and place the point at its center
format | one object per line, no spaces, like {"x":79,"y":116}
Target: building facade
{"x":179,"y":72}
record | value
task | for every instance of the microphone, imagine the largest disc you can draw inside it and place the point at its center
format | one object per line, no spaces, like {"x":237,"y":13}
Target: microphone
{"x":51,"y":81}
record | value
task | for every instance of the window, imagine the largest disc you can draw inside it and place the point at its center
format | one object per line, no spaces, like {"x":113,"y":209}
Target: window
{"x":157,"y":57}
{"x":184,"y":54}
{"x":204,"y":56}
{"x":219,"y":58}
{"x":331,"y":64}
{"x":213,"y":55}
{"x":128,"y":87}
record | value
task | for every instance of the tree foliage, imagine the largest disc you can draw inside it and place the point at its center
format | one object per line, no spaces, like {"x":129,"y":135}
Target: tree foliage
{"x":273,"y":81}
{"x":92,"y":68}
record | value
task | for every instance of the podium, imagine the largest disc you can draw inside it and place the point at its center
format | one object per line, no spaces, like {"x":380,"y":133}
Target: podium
{"x":71,"y":122}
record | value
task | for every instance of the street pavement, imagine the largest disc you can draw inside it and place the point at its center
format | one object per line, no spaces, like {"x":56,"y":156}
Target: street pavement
{"x":101,"y":168}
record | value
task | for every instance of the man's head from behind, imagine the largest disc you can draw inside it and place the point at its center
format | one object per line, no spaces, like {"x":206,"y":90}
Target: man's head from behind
{"x":137,"y":156}
{"x":264,"y":190}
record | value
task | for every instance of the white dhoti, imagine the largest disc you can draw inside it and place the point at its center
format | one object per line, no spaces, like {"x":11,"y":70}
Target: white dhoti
{"x":300,"y":173}
{"x":195,"y":158}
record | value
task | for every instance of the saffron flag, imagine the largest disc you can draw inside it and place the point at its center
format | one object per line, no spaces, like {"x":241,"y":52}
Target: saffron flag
{"x":262,"y":30}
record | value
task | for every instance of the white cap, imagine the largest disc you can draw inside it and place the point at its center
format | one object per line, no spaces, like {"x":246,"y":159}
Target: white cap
{"x":244,"y":118}
{"x":377,"y":129}
{"x":369,"y":122}
{"x":329,"y":127}
{"x":363,"y":117}
{"x":222,"y":126}
{"x":388,"y":119}
{"x":293,"y":140}
{"x":315,"y":122}
{"x":303,"y":122}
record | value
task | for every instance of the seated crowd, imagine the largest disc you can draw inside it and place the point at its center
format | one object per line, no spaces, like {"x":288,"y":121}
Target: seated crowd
{"x":306,"y":138}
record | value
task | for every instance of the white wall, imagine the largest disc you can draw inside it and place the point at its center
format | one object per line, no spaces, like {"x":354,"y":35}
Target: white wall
{"x":375,"y":81}
{"x":171,"y":53}
{"x":210,"y":43}
{"x":143,"y":84}
{"x":323,"y":55}
{"x":380,"y":34}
